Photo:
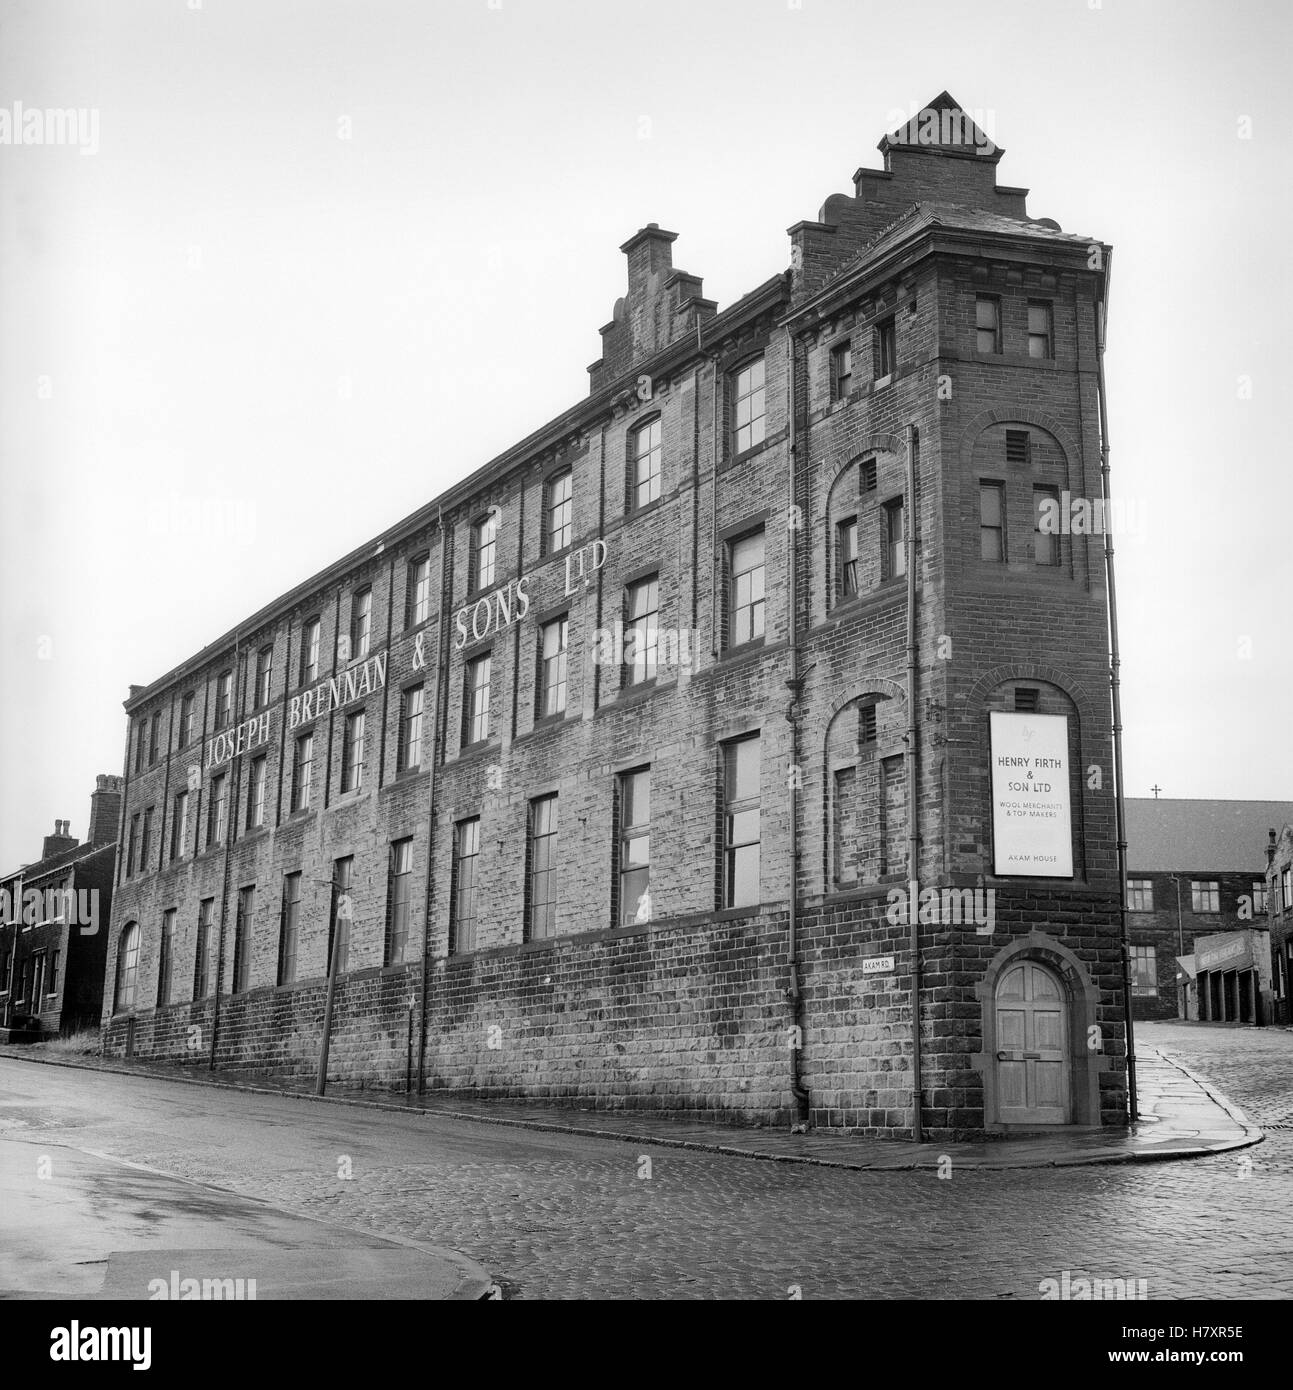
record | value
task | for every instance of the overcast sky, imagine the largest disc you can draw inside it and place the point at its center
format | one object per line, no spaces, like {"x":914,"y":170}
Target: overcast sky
{"x":318,"y":261}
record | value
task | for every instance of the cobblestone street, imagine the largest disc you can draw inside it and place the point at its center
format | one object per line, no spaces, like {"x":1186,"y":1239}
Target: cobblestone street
{"x":562,"y":1216}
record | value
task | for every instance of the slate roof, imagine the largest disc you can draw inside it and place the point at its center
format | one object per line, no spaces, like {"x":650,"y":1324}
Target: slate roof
{"x":56,"y":862}
{"x":1180,"y":835}
{"x":957,"y":217}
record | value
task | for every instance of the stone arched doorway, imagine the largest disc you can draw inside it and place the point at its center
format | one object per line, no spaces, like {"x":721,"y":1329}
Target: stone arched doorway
{"x":1037,"y":998}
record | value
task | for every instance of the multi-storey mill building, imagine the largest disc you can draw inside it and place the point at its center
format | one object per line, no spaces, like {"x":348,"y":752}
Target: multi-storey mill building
{"x":612,"y":772}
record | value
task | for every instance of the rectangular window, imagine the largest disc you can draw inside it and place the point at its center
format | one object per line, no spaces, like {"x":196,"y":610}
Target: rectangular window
{"x":1259,"y":896}
{"x":1018,"y":447}
{"x":361,"y":624}
{"x":310,"y":651}
{"x":751,"y":406}
{"x":224,"y":699}
{"x":848,"y":836}
{"x":1205,"y":895}
{"x":635,"y":847}
{"x":166,"y":959}
{"x":302,"y":761}
{"x":51,"y":983}
{"x":466,"y":850}
{"x":202,"y":953}
{"x":1046,"y":543}
{"x":400,"y":899}
{"x":186,"y":720}
{"x":180,"y":825}
{"x":543,"y":868}
{"x":154,"y":736}
{"x":264,"y":668}
{"x":886,"y":349}
{"x":410,"y":752}
{"x":475,"y":701}
{"x":553,"y":641}
{"x":242,"y":939}
{"x":1144,"y":971}
{"x":866,"y":476}
{"x":1140,"y":895}
{"x":484,"y":549}
{"x":895,"y":539}
{"x":987,"y":323}
{"x":342,"y":916}
{"x":647,"y":451}
{"x":1028,"y":700}
{"x":1039,"y":330}
{"x":256,"y":791}
{"x":145,"y":839}
{"x":559,"y":528}
{"x":641,"y":609}
{"x":141,"y":737}
{"x":745,"y":612}
{"x":741,"y":765}
{"x":132,"y":847}
{"x":992,"y":526}
{"x":419,"y":591}
{"x":846,"y":550}
{"x":289,"y":929}
{"x":216,"y":809}
{"x":841,"y":371}
{"x":1286,"y":888}
{"x":352,"y":755}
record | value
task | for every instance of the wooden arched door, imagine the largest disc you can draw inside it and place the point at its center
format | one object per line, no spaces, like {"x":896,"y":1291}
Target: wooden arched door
{"x":1032,"y":1047}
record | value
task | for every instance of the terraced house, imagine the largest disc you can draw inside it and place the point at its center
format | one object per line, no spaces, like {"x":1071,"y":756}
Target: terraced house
{"x":738,"y":744}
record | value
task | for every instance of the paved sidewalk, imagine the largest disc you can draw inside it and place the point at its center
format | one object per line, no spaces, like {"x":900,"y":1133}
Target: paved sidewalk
{"x":79,"y":1224}
{"x":1181,"y":1116}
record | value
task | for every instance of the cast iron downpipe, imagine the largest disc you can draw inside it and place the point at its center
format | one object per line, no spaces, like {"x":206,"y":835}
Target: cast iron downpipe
{"x":913,"y":770}
{"x":795,"y":684}
{"x":438,"y":720}
{"x":325,"y":1043}
{"x":1133,"y":1108}
{"x":230,"y":824}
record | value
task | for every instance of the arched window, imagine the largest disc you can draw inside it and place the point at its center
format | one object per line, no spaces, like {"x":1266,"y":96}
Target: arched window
{"x":866,"y":793}
{"x":854,"y":540}
{"x":127,"y":968}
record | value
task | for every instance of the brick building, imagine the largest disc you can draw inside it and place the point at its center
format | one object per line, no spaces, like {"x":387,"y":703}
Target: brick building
{"x":614,"y":773}
{"x":1279,"y":920}
{"x":1195,"y":868}
{"x":54,"y":924}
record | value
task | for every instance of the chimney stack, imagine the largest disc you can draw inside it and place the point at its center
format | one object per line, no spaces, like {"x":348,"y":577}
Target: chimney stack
{"x":105,"y":810}
{"x":59,"y":841}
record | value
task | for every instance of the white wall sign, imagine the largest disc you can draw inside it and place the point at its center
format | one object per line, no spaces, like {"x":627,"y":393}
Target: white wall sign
{"x":1031,"y":821}
{"x":877,"y":965}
